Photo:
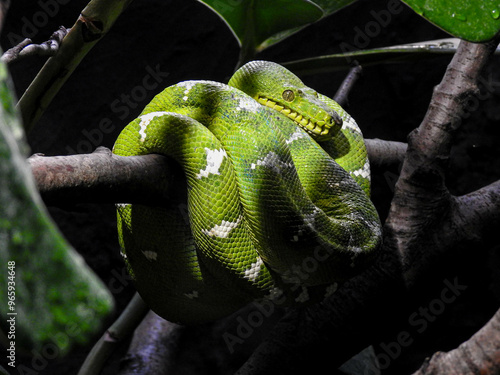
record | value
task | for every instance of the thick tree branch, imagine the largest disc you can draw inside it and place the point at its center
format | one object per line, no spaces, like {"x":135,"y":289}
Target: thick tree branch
{"x":421,"y":200}
{"x":102,"y":177}
{"x":385,"y":154}
{"x":474,"y":216}
{"x":479,"y":355}
{"x":153,"y":348}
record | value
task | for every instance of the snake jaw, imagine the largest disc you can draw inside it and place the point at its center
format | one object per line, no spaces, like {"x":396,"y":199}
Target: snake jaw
{"x":318,"y":128}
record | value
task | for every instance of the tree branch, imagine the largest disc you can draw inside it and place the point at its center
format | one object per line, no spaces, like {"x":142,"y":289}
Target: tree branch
{"x":474,"y":216}
{"x":153,"y":348}
{"x":93,"y":23}
{"x":102,"y":177}
{"x":479,"y":355}
{"x":421,"y":199}
{"x":27,"y":48}
{"x":341,"y":96}
{"x":384,"y":154}
{"x":119,"y":331}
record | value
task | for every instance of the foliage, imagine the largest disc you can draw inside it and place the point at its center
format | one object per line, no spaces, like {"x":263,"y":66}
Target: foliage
{"x":258,"y":24}
{"x":471,"y":20}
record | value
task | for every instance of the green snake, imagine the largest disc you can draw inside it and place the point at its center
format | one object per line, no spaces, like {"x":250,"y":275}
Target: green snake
{"x":276,"y":202}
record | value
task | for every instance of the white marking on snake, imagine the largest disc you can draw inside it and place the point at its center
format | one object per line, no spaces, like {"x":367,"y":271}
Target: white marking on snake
{"x":188,"y":85}
{"x":272,"y":161}
{"x":349,"y":123}
{"x":364,"y":171}
{"x":145,"y":120}
{"x":214,"y":161}
{"x":249,"y":104}
{"x":150,"y":255}
{"x":253,"y":272}
{"x":311,"y":217}
{"x":192,"y":295}
{"x":295,"y":136}
{"x":222,"y":230}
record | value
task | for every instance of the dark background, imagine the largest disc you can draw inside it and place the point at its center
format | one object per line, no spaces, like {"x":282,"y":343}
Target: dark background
{"x":186,"y":40}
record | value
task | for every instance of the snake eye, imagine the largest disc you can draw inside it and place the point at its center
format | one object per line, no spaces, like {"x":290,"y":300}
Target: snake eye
{"x":288,"y":95}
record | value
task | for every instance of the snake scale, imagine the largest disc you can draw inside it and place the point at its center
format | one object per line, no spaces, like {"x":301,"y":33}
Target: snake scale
{"x":277,"y":196}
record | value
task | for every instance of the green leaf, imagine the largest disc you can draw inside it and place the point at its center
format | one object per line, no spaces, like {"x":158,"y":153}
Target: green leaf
{"x":253,"y":21}
{"x":332,"y":6}
{"x":47,"y":292}
{"x":327,"y":6}
{"x":472,"y":20}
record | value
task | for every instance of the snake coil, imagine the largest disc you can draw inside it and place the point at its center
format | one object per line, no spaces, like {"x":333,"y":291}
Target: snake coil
{"x":276,"y":204}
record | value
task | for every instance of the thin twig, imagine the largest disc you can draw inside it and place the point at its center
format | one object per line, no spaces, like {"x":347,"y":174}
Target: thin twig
{"x":341,"y":96}
{"x":26,"y":48}
{"x":93,"y":23}
{"x":119,"y":330}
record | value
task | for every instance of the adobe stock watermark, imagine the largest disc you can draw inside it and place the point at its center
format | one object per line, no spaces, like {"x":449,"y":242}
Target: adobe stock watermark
{"x":419,"y":320}
{"x":39,"y":20}
{"x":266,"y":307}
{"x":121,"y":107}
{"x":371,"y":29}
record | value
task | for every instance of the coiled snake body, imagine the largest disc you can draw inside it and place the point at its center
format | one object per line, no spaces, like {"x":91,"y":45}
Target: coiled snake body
{"x":277,"y":196}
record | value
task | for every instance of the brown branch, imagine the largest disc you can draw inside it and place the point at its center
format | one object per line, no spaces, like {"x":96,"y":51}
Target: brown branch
{"x":341,"y":96}
{"x":479,"y":355}
{"x":153,"y":348}
{"x":474,"y":216}
{"x":27,"y":48}
{"x":115,"y":334}
{"x":421,"y":208}
{"x":385,"y":154}
{"x":102,"y":177}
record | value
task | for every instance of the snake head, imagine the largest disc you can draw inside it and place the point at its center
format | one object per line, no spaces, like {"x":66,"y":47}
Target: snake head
{"x":276,"y":87}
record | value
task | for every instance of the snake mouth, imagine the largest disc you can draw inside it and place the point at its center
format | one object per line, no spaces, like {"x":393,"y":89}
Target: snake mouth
{"x":318,"y":129}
